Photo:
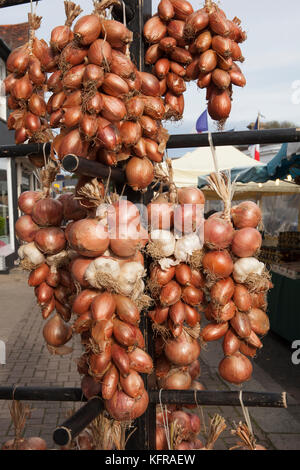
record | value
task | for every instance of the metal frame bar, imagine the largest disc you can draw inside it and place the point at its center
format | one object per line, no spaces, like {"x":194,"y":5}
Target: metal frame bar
{"x":14,"y":3}
{"x":273,"y":136}
{"x":145,"y":437}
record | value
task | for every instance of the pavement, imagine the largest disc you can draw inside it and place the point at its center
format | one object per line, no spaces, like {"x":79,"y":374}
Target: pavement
{"x":29,"y":363}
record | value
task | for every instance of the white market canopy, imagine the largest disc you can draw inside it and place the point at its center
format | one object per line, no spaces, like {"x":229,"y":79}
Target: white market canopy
{"x":200,"y":162}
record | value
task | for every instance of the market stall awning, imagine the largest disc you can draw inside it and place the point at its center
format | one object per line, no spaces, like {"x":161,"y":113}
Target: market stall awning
{"x":188,"y":168}
{"x":286,"y":162}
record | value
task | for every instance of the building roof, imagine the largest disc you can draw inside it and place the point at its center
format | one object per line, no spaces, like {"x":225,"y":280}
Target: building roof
{"x":14,"y":35}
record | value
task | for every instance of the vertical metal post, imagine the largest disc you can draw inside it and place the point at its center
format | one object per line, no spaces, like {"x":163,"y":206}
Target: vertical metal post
{"x":138,"y":12}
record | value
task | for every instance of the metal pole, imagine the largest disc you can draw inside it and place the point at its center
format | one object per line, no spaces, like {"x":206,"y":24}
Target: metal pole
{"x":82,"y":166}
{"x":273,"y":136}
{"x":14,"y":3}
{"x":72,"y":427}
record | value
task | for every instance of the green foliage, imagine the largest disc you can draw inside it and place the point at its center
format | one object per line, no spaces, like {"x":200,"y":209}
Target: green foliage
{"x":274,"y":125}
{"x":2,"y":226}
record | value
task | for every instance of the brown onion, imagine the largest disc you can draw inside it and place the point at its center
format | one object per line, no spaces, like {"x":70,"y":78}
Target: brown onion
{"x":182,"y":56}
{"x":153,"y":54}
{"x":183,"y":274}
{"x":174,"y":105}
{"x":207,"y":61}
{"x":56,"y":332}
{"x":26,"y":229}
{"x":231,"y":343}
{"x":235,"y":369}
{"x":170,"y":294}
{"x":222,"y":45}
{"x":219,"y":105}
{"x":150,"y":84}
{"x":196,"y":22}
{"x":44,"y":293}
{"x":190,"y":195}
{"x":73,"y":99}
{"x":114,"y":85}
{"x":50,"y":240}
{"x":259,"y":321}
{"x":113,"y":108}
{"x":131,"y":133}
{"x":18,"y":59}
{"x":178,"y":380}
{"x":150,"y":127}
{"x":99,"y":363}
{"x":183,"y":350}
{"x":124,"y":333}
{"x":222,"y":291}
{"x":218,"y":22}
{"x":247,"y":349}
{"x":225,"y":64}
{"x":241,"y":325}
{"x":188,"y":218}
{"x":214,"y":331}
{"x":135,"y":108}
{"x":139,"y":173}
{"x":242,"y":298}
{"x":165,"y":10}
{"x":116,"y":33}
{"x":127,"y":310}
{"x":246,"y":214}
{"x":89,"y":237}
{"x":140,"y":361}
{"x":182,"y":8}
{"x":124,"y":408}
{"x":177,"y":313}
{"x":152,"y":151}
{"x":71,"y":144}
{"x":121,"y":65}
{"x":133,"y":384}
{"x":103,"y":306}
{"x":38,"y":275}
{"x":22,"y":88}
{"x":218,"y":233}
{"x":109,"y":136}
{"x":203,"y":41}
{"x":223,"y":313}
{"x":237,"y":77}
{"x":83,"y":301}
{"x":192,"y":296}
{"x":160,"y":215}
{"x":109,"y":383}
{"x":37,"y":105}
{"x":154,"y":30}
{"x":176,"y":31}
{"x":27,"y":201}
{"x":221,"y":78}
{"x":73,"y":78}
{"x":218,"y":263}
{"x":100,"y":53}
{"x":162,"y":276}
{"x":162,"y":68}
{"x":90,"y":388}
{"x":121,"y":359}
{"x":35,"y":73}
{"x":167,"y":44}
{"x":87,"y":29}
{"x":78,"y":267}
{"x":175,"y":84}
{"x":47,"y":212}
{"x":246,"y":242}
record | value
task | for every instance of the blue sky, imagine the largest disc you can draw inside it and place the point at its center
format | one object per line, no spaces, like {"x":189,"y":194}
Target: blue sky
{"x":272,"y":55}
